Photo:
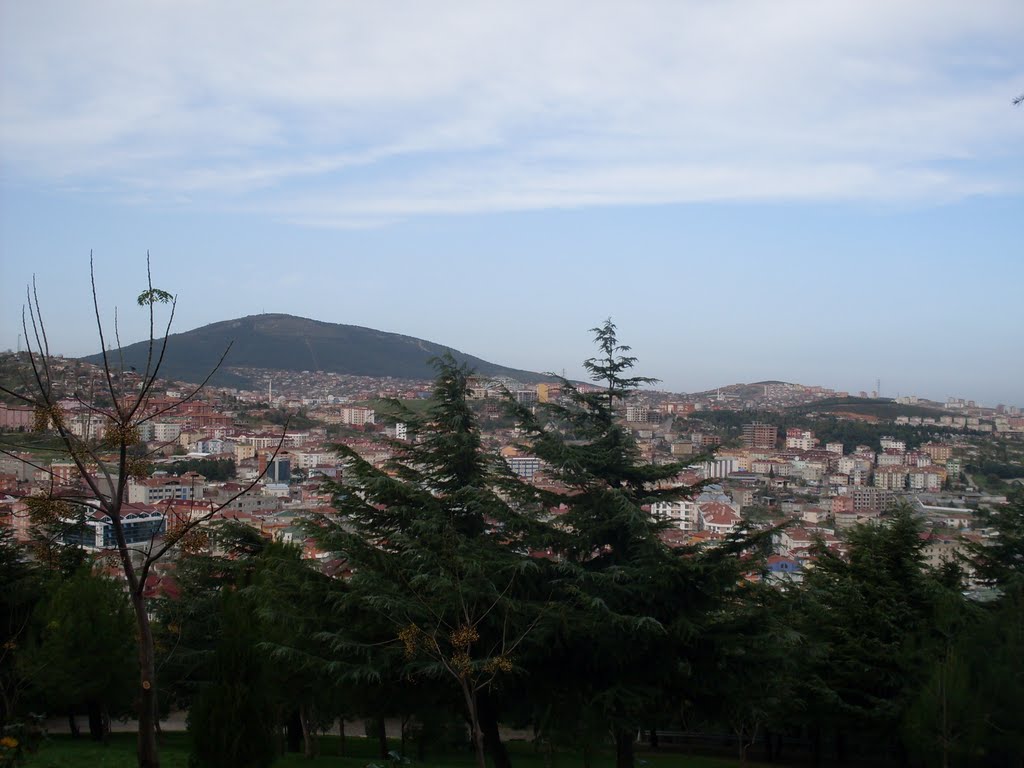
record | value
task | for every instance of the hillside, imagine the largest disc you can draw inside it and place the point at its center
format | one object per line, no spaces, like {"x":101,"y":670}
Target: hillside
{"x":288,"y":343}
{"x":876,"y":408}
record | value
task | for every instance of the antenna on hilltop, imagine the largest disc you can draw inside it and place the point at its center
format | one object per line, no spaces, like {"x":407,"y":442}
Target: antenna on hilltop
{"x":878,"y":387}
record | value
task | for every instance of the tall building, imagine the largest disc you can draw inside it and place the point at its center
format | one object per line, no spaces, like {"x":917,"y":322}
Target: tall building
{"x":758,"y":435}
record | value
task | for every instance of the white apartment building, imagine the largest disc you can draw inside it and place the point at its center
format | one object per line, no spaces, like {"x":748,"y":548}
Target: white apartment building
{"x":891,"y":443}
{"x":166,"y":431}
{"x":682,"y":514}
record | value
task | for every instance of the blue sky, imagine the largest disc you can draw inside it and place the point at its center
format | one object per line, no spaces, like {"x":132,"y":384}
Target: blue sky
{"x":827,"y":193}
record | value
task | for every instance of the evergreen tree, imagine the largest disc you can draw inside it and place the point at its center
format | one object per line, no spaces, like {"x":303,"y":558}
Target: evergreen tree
{"x":1000,"y":560}
{"x":873,"y":610}
{"x":232,"y":722}
{"x":632,"y":606}
{"x":437,"y":555}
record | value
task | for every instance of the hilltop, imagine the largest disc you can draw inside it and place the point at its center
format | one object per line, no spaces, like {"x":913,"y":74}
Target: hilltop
{"x":289,"y":343}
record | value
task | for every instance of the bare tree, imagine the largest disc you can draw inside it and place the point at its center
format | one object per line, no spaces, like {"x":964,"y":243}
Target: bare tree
{"x":105,"y":466}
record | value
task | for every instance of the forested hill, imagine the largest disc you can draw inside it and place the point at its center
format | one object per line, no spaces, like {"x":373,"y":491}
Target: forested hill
{"x":285,"y":342}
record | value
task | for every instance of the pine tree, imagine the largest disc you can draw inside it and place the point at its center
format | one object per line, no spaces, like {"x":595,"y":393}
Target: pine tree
{"x":873,"y":610}
{"x":437,"y":554}
{"x":632,"y":605}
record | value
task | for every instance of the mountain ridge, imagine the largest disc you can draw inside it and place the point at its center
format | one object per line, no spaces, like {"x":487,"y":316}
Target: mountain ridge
{"x":290,"y":343}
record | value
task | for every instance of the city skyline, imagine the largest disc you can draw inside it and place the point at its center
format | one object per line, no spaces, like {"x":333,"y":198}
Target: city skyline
{"x":819,"y":193}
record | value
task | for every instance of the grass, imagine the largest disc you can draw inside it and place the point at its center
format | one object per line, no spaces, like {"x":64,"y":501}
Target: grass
{"x":65,"y":752}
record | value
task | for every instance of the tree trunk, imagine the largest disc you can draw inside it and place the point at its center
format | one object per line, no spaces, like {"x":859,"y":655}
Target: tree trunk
{"x":308,"y":735}
{"x":421,"y":743}
{"x":341,"y":736}
{"x":488,"y":714}
{"x":623,"y":748}
{"x":149,"y":756}
{"x":382,"y":737}
{"x":474,"y":723}
{"x":95,"y":720}
{"x":293,"y":732}
{"x":73,"y":725}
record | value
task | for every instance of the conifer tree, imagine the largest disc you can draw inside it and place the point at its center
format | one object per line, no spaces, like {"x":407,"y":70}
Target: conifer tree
{"x":437,"y":554}
{"x":873,"y":611}
{"x":632,"y":604}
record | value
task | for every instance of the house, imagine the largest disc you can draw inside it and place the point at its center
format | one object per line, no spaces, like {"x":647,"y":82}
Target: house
{"x":783,"y":569}
{"x":718,"y":517}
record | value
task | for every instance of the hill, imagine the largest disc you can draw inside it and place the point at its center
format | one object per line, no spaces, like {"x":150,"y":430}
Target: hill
{"x":289,"y":343}
{"x":876,"y":408}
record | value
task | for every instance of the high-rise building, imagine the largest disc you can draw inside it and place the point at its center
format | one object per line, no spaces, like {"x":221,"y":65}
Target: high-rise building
{"x":758,"y":435}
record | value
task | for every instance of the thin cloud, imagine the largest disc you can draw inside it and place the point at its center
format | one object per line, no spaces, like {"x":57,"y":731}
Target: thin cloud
{"x":353,"y":114}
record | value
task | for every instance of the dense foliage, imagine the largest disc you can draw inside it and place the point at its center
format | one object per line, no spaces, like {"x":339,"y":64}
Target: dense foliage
{"x":215,"y":470}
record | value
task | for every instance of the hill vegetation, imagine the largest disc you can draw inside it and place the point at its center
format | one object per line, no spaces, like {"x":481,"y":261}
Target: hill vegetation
{"x":289,"y":343}
{"x":874,"y":408}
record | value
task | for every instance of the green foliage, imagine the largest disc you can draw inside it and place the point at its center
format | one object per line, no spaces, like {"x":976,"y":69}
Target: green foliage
{"x":1000,"y":561}
{"x":441,"y":577}
{"x":22,"y":592}
{"x":154,"y":296}
{"x":1001,"y":470}
{"x":632,"y":607}
{"x":211,"y":469}
{"x":232,"y":721}
{"x":876,"y":613}
{"x":85,"y":657}
{"x":291,"y":419}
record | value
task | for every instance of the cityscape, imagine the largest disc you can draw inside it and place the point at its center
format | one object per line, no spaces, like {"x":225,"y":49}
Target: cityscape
{"x":512,"y":385}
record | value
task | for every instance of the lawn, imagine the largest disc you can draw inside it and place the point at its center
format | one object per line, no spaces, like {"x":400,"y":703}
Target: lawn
{"x":64,"y":752}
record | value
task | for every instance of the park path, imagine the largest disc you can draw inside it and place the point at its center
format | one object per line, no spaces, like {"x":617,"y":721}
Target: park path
{"x":176,"y":722}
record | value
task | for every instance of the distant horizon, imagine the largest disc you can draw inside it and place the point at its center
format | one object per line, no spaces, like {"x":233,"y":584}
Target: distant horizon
{"x":580,"y":374}
{"x":819,"y":192}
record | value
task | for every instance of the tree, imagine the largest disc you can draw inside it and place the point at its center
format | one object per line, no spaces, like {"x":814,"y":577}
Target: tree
{"x":104,"y":466}
{"x":83,"y":658}
{"x":232,"y":722}
{"x":874,"y":612}
{"x":437,"y":553}
{"x":746,"y":675}
{"x":1000,"y":560}
{"x":18,"y":600}
{"x":632,"y":605}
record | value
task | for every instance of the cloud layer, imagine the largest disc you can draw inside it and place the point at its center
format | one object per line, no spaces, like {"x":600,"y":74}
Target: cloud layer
{"x":356,"y":114}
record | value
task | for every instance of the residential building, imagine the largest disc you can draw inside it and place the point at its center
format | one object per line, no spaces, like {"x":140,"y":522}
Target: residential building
{"x":151,"y":490}
{"x":758,"y":435}
{"x":682,"y":513}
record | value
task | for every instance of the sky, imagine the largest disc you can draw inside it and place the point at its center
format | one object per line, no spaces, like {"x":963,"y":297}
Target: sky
{"x":829,"y":193}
